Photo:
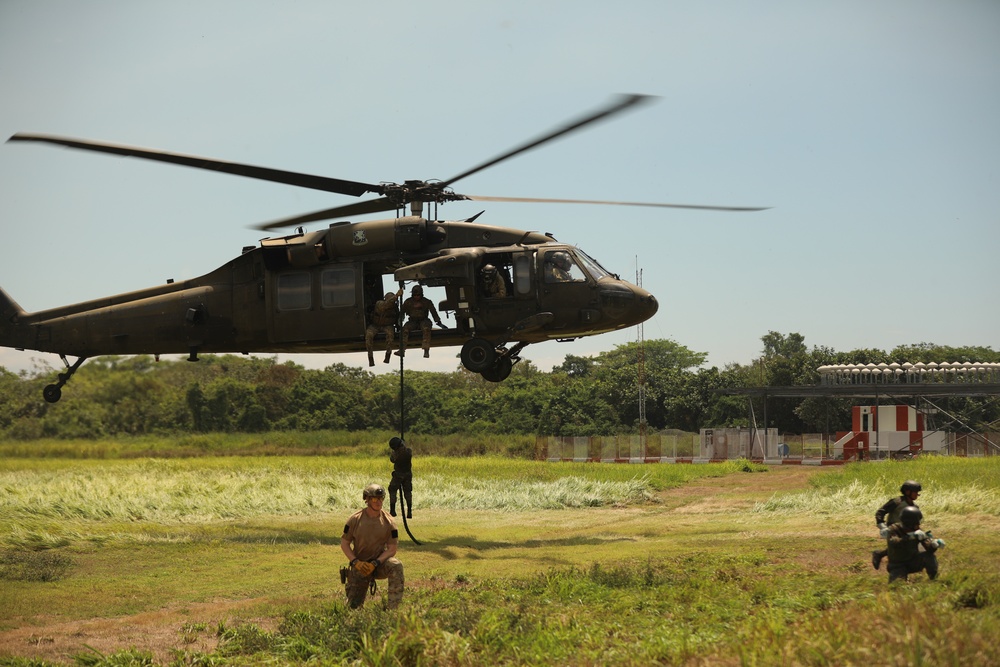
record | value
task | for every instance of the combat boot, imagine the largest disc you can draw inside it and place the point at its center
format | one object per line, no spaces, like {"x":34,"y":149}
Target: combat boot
{"x":387,"y":355}
{"x":371,"y":359}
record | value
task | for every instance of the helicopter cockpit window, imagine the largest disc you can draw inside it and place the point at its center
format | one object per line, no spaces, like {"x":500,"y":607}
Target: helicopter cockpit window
{"x":559,"y":267}
{"x":591,"y":266}
{"x":337,"y":287}
{"x":294,"y":291}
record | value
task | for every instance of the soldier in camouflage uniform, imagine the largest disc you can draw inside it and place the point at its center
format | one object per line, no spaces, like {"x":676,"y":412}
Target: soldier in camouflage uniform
{"x":905,"y":540}
{"x":420,"y":310}
{"x":889,"y":513}
{"x":402,"y":476}
{"x":493,"y":283}
{"x":384,"y":318}
{"x":369,"y":542}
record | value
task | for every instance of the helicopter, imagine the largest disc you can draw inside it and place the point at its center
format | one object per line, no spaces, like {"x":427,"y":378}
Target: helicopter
{"x":314,"y":291}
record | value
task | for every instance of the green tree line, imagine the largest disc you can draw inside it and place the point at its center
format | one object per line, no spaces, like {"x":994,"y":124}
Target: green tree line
{"x":596,"y":395}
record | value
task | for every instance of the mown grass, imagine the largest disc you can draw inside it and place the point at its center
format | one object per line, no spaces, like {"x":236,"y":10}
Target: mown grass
{"x":651,"y":572}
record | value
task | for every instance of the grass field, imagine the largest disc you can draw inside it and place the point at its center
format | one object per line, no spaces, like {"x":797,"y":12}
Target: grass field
{"x":233,"y":560}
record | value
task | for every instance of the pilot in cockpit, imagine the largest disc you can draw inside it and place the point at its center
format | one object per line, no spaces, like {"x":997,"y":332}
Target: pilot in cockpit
{"x":557,"y":267}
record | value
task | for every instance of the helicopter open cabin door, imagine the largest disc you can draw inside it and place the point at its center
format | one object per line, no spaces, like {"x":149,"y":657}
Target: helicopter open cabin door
{"x":320,"y":303}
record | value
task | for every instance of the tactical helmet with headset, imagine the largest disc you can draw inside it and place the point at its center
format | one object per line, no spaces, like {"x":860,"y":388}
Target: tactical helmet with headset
{"x":373,"y":491}
{"x":911,"y":516}
{"x":910,"y":485}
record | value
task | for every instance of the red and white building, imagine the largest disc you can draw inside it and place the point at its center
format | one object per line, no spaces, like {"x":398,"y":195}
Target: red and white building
{"x":878,"y":431}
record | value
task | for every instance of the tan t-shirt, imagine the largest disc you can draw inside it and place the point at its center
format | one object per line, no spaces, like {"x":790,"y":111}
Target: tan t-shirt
{"x":368,"y":536}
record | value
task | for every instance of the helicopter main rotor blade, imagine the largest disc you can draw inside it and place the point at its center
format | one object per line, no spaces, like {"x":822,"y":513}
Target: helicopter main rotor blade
{"x":533,"y":200}
{"x":337,"y":185}
{"x":622,"y":102}
{"x":348,"y":210}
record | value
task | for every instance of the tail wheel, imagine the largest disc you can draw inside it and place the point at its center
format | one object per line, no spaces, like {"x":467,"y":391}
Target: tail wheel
{"x":478,"y":355}
{"x":499,"y":371}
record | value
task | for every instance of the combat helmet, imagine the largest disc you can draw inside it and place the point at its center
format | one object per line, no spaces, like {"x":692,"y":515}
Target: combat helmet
{"x":395,"y":443}
{"x":562,"y":260}
{"x":910,"y":485}
{"x":373,"y":491}
{"x":911,"y":516}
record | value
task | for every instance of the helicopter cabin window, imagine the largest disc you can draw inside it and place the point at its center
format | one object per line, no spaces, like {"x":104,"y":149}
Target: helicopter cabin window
{"x":294,"y":291}
{"x":337,"y":287}
{"x":522,"y":273}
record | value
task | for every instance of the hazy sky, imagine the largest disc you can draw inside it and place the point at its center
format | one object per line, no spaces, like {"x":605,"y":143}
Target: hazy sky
{"x":871,"y":128}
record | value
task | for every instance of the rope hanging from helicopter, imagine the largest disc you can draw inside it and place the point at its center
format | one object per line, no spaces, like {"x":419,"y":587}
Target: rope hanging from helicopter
{"x":404,"y":509}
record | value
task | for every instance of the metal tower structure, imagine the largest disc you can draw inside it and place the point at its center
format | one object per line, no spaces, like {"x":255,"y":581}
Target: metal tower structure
{"x":641,"y":370}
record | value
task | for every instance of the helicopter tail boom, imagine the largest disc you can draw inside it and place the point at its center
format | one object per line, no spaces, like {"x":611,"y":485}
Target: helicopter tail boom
{"x":10,"y":313}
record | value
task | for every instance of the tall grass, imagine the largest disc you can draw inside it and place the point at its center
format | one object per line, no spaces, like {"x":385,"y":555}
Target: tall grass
{"x":52,"y":501}
{"x":275,"y":443}
{"x":951,"y":485}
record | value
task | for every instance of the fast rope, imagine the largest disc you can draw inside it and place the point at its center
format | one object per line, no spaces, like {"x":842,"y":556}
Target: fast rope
{"x":402,"y":424}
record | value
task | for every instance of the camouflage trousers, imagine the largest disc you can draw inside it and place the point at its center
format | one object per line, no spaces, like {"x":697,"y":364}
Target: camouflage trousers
{"x":373,"y":329}
{"x":425,"y":327}
{"x":357,"y":586}
{"x":925,"y":561}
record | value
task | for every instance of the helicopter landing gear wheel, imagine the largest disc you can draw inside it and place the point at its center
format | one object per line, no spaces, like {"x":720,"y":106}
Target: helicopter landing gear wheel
{"x":478,"y":355}
{"x":499,"y":371}
{"x":52,"y":393}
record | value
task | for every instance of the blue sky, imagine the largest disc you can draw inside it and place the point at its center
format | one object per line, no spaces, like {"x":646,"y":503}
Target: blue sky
{"x":870,"y":128}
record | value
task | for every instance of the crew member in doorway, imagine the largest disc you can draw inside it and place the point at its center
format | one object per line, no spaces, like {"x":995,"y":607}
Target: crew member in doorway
{"x":493,"y":284}
{"x":385,"y":315}
{"x":419,"y":310}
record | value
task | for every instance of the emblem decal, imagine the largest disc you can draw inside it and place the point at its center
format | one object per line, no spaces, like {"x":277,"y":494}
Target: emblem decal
{"x":359,"y":237}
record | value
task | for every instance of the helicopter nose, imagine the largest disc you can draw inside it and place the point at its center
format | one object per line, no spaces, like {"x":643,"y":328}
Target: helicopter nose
{"x":626,"y":304}
{"x":646,"y":306}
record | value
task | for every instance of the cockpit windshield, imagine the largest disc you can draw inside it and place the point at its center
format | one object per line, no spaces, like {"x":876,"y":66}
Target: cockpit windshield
{"x":591,"y":265}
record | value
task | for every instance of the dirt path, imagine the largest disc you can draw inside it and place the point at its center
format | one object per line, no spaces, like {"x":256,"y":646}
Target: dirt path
{"x":192,"y":627}
{"x":738,"y":489}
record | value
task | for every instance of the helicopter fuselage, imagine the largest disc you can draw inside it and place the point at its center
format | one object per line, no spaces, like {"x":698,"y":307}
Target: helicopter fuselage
{"x":314,"y":292}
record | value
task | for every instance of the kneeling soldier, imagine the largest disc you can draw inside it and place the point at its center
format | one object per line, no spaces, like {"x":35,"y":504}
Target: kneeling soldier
{"x":370,"y":542}
{"x":905,"y":540}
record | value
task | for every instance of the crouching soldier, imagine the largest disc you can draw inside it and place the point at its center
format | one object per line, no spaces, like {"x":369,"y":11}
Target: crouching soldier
{"x":370,"y":542}
{"x":905,"y":540}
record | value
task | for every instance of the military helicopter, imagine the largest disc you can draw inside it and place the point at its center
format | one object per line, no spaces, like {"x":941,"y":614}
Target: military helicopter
{"x":313,"y":291}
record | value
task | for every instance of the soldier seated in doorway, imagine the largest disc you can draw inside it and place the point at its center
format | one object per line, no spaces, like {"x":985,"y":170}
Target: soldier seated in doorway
{"x":385,"y":315}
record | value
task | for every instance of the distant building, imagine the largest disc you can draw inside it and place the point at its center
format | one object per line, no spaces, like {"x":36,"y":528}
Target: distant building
{"x":886,"y":430}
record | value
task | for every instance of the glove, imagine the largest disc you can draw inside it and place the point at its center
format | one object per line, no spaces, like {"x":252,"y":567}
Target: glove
{"x":918,"y":535}
{"x":364,"y":568}
{"x":375,"y":564}
{"x":883,"y":531}
{"x":940,"y":544}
